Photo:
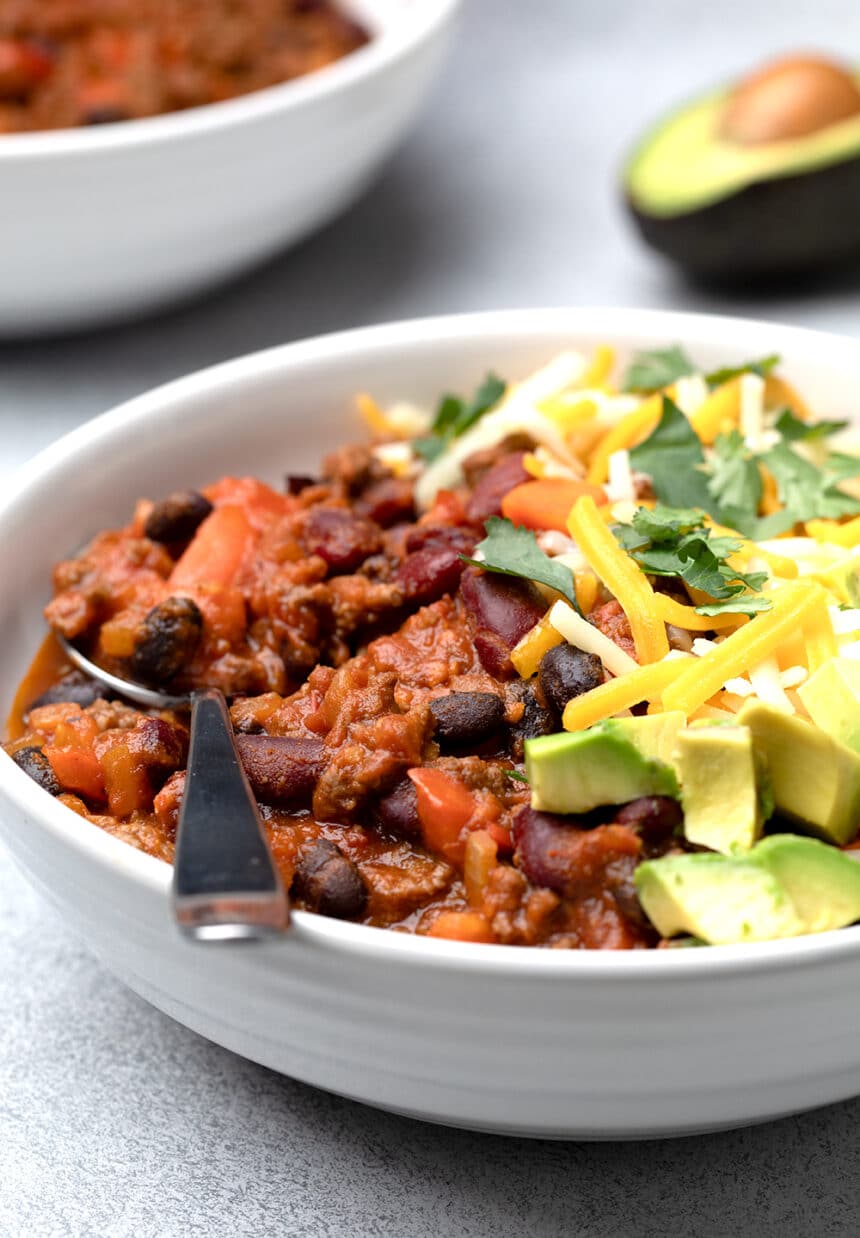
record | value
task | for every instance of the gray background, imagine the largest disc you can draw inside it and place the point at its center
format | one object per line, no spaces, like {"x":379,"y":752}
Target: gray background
{"x":113,"y":1119}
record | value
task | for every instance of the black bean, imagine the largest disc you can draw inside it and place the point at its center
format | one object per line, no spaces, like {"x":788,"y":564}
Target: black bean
{"x":295,"y":483}
{"x":537,"y":719}
{"x":281,"y":770}
{"x":463,"y":718}
{"x":76,"y":688}
{"x":176,"y":518}
{"x":34,"y":762}
{"x":566,"y":672}
{"x":168,"y":637}
{"x":329,"y":883}
{"x":109,"y":115}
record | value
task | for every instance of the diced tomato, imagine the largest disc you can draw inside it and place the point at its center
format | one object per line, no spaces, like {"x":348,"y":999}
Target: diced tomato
{"x":461,"y":926}
{"x":220,"y":548}
{"x":259,"y":502}
{"x":445,"y":807}
{"x":77,"y":770}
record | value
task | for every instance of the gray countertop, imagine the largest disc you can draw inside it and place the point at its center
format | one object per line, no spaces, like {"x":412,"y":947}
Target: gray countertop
{"x":115,"y":1120}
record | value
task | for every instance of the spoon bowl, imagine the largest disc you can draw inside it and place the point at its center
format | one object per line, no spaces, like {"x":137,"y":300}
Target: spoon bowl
{"x":225,"y":884}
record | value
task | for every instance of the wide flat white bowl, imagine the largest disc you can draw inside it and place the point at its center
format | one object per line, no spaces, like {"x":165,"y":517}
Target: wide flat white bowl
{"x":105,"y":222}
{"x":537,"y":1042}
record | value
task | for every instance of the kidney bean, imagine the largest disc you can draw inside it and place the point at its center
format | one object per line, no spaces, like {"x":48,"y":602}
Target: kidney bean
{"x":176,"y":518}
{"x":566,"y":672}
{"x":158,"y":745}
{"x":428,"y":574}
{"x":75,"y":687}
{"x":502,"y":610}
{"x":168,"y":637}
{"x":282,"y":771}
{"x":464,"y":718}
{"x":451,"y":536}
{"x":329,"y":882}
{"x":34,"y":763}
{"x":555,"y":852}
{"x":342,"y":539}
{"x":655,"y":817}
{"x":486,"y":498}
{"x":397,"y":811}
{"x":387,"y":501}
{"x":23,"y":64}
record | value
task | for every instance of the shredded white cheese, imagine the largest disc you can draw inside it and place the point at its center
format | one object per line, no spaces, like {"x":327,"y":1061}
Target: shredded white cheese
{"x":793,"y":676}
{"x":752,"y":411}
{"x":554,"y":542}
{"x":579,"y":632}
{"x":739,"y":686}
{"x":399,"y":457}
{"x":766,"y":682}
{"x":691,"y":391}
{"x":408,"y":420}
{"x":844,"y":621}
{"x":701,"y":646}
{"x":621,"y":487}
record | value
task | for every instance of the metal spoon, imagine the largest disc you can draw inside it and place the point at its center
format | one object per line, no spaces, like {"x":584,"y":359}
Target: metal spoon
{"x":225,"y":884}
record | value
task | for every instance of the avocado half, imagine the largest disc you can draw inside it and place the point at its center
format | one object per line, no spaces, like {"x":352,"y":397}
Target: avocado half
{"x":731,"y":212}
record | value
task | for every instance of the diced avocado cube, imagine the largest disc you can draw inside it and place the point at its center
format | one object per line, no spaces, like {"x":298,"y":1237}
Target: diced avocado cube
{"x":718,"y":898}
{"x":654,"y":735}
{"x":844,"y":580}
{"x":832,"y":697}
{"x":582,"y":770}
{"x":720,"y":791}
{"x":815,"y":780}
{"x":821,"y":881}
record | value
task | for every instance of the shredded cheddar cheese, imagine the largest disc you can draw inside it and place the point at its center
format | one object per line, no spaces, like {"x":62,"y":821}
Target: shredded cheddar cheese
{"x":622,"y":577}
{"x":645,"y":683}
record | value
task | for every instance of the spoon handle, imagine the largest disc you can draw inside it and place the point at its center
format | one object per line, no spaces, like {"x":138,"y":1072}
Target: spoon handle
{"x":225,"y":885}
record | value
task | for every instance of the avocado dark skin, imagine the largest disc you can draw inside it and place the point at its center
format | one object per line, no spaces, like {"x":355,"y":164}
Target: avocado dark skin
{"x":795,"y":225}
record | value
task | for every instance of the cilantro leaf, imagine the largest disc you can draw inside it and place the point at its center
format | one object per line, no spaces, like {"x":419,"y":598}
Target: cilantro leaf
{"x":734,"y":482}
{"x":655,"y":368}
{"x":806,"y":492}
{"x":673,"y":458}
{"x":516,"y":775}
{"x":762,"y":367}
{"x":794,"y":430}
{"x":746,"y":604}
{"x":513,"y":551}
{"x":676,"y":542}
{"x":455,"y":416}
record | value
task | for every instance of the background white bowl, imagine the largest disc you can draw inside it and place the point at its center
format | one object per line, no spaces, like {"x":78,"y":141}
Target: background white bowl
{"x":103,"y":222}
{"x":556,"y":1043}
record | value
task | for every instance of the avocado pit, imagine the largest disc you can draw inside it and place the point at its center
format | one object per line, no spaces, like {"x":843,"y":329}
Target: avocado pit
{"x":790,"y":98}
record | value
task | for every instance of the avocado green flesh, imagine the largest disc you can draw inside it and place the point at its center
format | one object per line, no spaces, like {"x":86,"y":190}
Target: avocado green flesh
{"x":783,"y":887}
{"x":583,"y":770}
{"x":720,"y":794}
{"x":815,"y":780}
{"x":683,"y":164}
{"x":717,"y":898}
{"x":832,"y":699}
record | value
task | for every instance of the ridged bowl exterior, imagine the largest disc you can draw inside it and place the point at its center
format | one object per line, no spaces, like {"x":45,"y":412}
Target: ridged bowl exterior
{"x":538,"y":1042}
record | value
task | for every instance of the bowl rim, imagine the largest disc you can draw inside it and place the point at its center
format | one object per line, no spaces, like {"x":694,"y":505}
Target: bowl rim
{"x":392,"y":39}
{"x":369,"y":942}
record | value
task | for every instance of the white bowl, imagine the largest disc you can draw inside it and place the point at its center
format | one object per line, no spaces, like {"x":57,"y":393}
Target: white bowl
{"x":539,"y":1042}
{"x":104,"y":222}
